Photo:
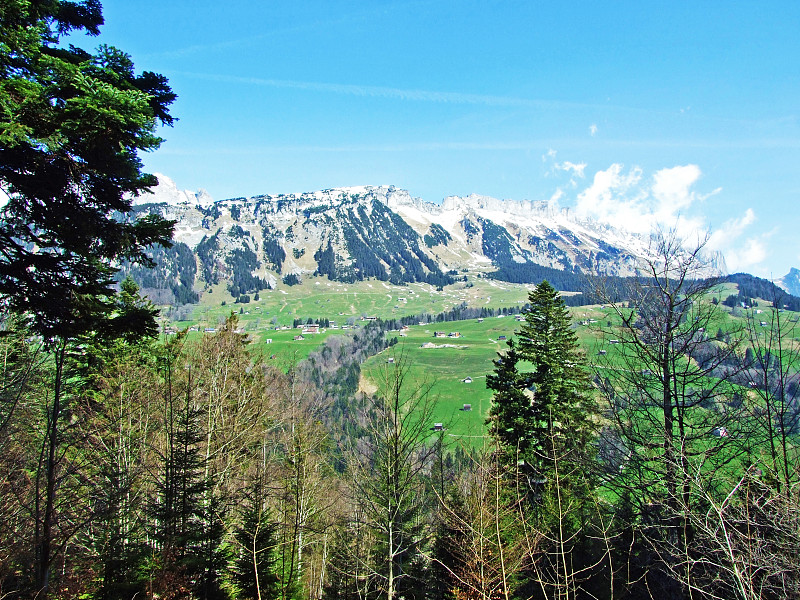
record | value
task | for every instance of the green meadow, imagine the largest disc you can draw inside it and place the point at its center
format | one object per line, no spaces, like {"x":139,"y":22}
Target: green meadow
{"x":455,"y":368}
{"x":448,"y":364}
{"x":342,"y":304}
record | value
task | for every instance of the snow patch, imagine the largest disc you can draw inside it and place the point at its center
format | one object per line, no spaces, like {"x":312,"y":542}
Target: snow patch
{"x":167,"y":192}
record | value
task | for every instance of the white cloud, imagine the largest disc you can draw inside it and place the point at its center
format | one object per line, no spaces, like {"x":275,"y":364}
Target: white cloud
{"x":577,"y":169}
{"x":551,"y":153}
{"x":739,"y":254}
{"x":628,"y":200}
{"x":731,"y":229}
{"x":673,"y":195}
{"x":672,"y":187}
{"x":743,"y":256}
{"x":614,"y":197}
{"x":668,"y":200}
{"x":376,"y":91}
{"x":592,"y":129}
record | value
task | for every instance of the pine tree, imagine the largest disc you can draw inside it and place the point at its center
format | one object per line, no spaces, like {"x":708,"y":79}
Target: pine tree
{"x":544,"y":420}
{"x":547,"y":411}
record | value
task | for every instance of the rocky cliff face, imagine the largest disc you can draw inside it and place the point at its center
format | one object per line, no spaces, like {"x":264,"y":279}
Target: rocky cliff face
{"x":790,"y":282}
{"x":385,"y":233}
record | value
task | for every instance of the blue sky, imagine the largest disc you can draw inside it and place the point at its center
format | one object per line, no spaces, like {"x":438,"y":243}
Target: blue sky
{"x":679,"y":113}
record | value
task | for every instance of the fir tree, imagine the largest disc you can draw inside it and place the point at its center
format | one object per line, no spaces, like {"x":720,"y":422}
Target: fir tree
{"x":543,"y":417}
{"x":550,"y":404}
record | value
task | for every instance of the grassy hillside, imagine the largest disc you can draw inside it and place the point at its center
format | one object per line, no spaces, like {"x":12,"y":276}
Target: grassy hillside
{"x":444,"y":366}
{"x":450,"y":361}
{"x":342,"y":304}
{"x":446,"y":362}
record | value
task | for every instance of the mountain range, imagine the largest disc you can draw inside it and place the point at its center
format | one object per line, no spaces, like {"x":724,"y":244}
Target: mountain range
{"x":380,"y":232}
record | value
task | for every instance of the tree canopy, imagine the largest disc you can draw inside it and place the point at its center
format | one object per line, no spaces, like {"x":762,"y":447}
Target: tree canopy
{"x":550,"y":400}
{"x":71,"y":126}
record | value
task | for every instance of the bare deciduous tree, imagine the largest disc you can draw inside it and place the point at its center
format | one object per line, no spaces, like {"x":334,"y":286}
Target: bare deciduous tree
{"x":668,"y":388}
{"x":386,"y":469}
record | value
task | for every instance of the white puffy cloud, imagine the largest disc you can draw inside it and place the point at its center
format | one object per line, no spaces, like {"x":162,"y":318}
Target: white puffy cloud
{"x":615,"y":197}
{"x":732,"y":229}
{"x":673,"y":187}
{"x":745,"y":255}
{"x":668,"y":200}
{"x":739,"y":254}
{"x":628,"y":200}
{"x":592,"y":129}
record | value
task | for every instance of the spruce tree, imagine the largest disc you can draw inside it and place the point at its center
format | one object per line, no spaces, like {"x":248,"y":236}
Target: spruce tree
{"x":544,"y":420}
{"x":511,"y":415}
{"x":72,"y":124}
{"x":542,"y":406}
{"x":178,"y":513}
{"x":563,"y":409}
{"x":254,"y":565}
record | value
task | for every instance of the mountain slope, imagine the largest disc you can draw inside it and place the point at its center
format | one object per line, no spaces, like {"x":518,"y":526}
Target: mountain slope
{"x":790,"y":282}
{"x":384,"y":233}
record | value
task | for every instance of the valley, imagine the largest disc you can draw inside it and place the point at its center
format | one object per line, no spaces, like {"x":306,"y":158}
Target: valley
{"x":454,"y":368}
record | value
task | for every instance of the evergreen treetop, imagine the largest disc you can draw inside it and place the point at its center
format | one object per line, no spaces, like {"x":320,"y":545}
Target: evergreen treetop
{"x":71,"y":127}
{"x":544,"y":410}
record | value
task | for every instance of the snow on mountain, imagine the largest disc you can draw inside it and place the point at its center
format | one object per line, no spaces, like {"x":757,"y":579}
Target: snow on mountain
{"x":790,"y":282}
{"x":167,"y":192}
{"x":385,"y":233}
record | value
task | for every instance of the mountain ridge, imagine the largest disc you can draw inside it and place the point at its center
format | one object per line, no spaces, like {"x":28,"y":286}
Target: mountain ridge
{"x":383,"y":232}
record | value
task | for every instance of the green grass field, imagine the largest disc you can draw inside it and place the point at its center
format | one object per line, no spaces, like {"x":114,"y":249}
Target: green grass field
{"x":447,"y":365}
{"x":454,"y":360}
{"x":342,"y":304}
{"x":444,"y":368}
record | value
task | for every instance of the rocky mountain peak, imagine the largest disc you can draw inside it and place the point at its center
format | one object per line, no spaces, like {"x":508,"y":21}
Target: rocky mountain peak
{"x":384,"y":232}
{"x":790,"y":282}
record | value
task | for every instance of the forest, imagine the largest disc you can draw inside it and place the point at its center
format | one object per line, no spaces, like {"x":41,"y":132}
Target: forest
{"x":194,"y":467}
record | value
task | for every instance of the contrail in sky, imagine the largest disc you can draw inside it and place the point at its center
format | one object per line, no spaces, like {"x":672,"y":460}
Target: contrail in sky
{"x":372,"y":91}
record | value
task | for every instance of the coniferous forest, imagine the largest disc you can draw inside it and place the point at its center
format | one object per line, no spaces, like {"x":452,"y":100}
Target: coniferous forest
{"x":138,"y":467}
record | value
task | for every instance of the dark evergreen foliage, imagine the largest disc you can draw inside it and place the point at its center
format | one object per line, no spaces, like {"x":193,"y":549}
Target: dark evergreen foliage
{"x":496,"y":243}
{"x":384,"y":247}
{"x":273,"y":250}
{"x":178,"y":512}
{"x":175,"y":269}
{"x":236,"y":231}
{"x":212,"y":213}
{"x":535,"y":406}
{"x":71,"y":128}
{"x":755,"y":287}
{"x":255,"y":559}
{"x":241,"y":263}
{"x":326,"y":261}
{"x":206,"y":253}
{"x":291,"y":279}
{"x":438,"y":236}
